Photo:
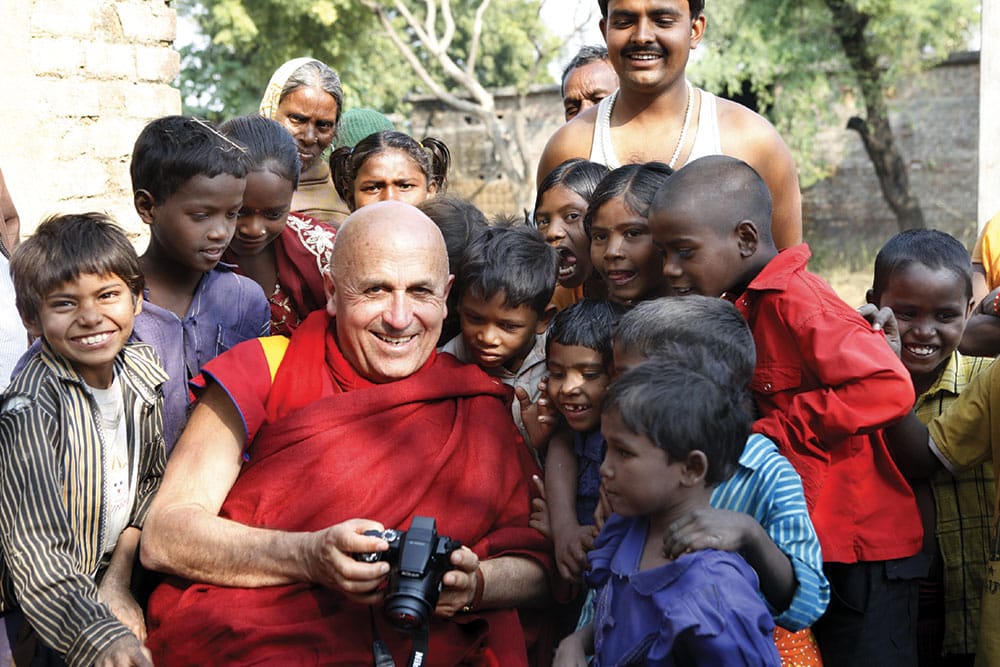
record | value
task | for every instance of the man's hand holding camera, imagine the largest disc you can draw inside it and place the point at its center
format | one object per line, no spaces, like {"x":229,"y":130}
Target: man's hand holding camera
{"x":330,"y":559}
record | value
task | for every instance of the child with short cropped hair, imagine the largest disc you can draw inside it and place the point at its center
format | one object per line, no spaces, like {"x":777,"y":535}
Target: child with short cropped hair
{"x":504,"y":287}
{"x":188,"y":182}
{"x":672,"y":434}
{"x":760,"y":512}
{"x":925,"y":278}
{"x":826,"y":386}
{"x":82,"y":447}
{"x":579,"y":361}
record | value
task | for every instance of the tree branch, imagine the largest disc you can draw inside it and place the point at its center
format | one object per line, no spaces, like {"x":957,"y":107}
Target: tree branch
{"x":477,"y":34}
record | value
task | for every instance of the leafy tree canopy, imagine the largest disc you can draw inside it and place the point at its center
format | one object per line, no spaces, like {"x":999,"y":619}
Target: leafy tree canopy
{"x":243,"y":42}
{"x":788,"y":54}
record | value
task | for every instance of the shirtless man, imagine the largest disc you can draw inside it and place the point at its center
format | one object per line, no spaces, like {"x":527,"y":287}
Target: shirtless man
{"x":658,"y":115}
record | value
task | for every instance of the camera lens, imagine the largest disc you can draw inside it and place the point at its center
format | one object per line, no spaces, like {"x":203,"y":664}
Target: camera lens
{"x":407,"y":611}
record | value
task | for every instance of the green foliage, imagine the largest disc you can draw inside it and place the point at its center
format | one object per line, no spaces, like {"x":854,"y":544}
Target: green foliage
{"x":246,"y":40}
{"x":788,"y":53}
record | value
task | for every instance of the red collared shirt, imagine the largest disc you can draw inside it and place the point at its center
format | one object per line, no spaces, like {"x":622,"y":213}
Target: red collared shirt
{"x":826,"y":384}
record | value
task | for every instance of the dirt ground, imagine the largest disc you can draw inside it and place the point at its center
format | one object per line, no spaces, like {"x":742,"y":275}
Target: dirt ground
{"x":849,"y":285}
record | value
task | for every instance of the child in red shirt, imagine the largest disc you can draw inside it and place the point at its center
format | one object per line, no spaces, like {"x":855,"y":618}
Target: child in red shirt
{"x":825,"y":384}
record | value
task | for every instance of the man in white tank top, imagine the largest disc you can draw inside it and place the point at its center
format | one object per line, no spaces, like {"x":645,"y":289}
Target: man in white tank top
{"x":656,"y":114}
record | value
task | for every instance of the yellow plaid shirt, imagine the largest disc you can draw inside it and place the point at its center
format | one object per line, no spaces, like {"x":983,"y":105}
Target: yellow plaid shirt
{"x":964,"y":505}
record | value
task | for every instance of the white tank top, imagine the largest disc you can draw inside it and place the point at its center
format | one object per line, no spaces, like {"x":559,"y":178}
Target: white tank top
{"x":706,"y":140}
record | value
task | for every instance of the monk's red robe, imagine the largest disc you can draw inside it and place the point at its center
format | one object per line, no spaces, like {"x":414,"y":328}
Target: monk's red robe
{"x":328,"y":446}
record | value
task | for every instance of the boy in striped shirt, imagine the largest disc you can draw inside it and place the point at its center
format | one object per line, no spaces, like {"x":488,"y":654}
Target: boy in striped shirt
{"x":81,"y":438}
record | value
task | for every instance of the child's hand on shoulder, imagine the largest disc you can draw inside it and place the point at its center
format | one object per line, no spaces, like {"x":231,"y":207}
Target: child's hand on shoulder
{"x":708,"y":528}
{"x":539,"y":418}
{"x":883,"y":319}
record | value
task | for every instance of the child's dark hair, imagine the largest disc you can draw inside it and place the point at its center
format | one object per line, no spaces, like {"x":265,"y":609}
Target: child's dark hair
{"x":586,"y":323}
{"x":459,"y":221}
{"x":63,"y":247}
{"x":430,"y":155}
{"x":173,"y":149}
{"x":577,"y":175}
{"x":678,"y":327}
{"x":697,"y":7}
{"x":636,"y":184}
{"x":512,"y":260}
{"x":681,"y":410}
{"x":933,"y":249}
{"x":269,"y":145}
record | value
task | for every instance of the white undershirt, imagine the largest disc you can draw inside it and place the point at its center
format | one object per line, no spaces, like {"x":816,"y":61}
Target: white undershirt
{"x":119,"y":474}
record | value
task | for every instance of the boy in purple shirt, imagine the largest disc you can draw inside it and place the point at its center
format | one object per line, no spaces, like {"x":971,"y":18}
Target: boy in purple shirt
{"x":188,"y":183}
{"x":672,"y":434}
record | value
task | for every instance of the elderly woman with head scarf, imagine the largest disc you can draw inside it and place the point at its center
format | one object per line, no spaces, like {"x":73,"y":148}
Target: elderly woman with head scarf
{"x":306,"y":97}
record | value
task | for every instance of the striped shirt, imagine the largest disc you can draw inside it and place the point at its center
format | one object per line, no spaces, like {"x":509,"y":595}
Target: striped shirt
{"x":766,"y":487}
{"x":52,"y":500}
{"x":963,"y":505}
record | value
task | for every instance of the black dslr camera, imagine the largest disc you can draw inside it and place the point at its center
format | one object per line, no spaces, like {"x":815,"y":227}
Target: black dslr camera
{"x":419,"y":558}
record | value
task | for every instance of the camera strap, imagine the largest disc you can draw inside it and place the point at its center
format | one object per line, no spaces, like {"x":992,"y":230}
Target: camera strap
{"x":383,"y":657}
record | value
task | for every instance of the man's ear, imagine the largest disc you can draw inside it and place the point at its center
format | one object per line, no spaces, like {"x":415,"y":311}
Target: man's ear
{"x":970,"y":308}
{"x":602,"y":24}
{"x":330,"y":289}
{"x":695,"y":468}
{"x":747,"y":238}
{"x":870,"y":297}
{"x":138,"y":304}
{"x":697,"y":31}
{"x":543,"y":321}
{"x":432,"y":188}
{"x":447,"y":291}
{"x":144,"y":205}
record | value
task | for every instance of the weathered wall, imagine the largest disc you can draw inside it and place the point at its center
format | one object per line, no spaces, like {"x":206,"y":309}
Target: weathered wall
{"x":80,"y":79}
{"x":935,"y":118}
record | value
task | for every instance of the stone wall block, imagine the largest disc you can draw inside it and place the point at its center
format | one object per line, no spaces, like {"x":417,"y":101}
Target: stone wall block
{"x":110,"y":61}
{"x":156,"y":63}
{"x":147,"y":21}
{"x":61,"y":97}
{"x":152,"y":101}
{"x":80,"y":177}
{"x":66,"y":19}
{"x":60,"y":57}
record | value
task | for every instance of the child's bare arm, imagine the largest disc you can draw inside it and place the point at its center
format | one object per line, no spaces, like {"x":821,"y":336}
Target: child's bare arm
{"x":560,"y":488}
{"x":114,"y":587}
{"x":710,"y":528}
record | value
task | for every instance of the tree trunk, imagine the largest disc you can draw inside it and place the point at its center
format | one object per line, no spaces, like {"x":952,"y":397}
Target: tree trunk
{"x":875,"y":130}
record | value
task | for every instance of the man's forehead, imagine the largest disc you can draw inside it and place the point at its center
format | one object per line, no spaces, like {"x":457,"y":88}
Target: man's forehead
{"x":679,"y":7}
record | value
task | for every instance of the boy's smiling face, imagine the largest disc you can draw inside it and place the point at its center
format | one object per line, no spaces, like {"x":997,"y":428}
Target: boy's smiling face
{"x":700,"y":257}
{"x":87,"y":321}
{"x":578,"y":381}
{"x":623,"y":253}
{"x":931,"y":307}
{"x":497,"y":334}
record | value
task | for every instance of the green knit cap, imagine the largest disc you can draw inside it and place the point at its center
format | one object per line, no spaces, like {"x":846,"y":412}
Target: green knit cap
{"x":356,"y":124}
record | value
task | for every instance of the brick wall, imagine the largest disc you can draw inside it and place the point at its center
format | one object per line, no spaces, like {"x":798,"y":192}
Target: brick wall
{"x":81,"y":78}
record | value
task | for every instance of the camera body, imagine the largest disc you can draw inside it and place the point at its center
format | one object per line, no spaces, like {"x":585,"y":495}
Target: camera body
{"x":419,"y":558}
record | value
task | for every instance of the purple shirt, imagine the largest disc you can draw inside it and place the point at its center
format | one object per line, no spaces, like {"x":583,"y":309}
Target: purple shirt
{"x":227,"y":309}
{"x":701,"y":609}
{"x":589,"y":449}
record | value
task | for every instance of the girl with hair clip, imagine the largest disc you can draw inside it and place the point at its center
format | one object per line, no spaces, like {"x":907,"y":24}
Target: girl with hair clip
{"x":562,"y":201}
{"x":390,"y":165}
{"x":285,"y":253}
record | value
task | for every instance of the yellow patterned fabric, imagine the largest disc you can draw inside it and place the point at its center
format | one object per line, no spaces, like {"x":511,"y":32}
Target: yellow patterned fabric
{"x":964,"y":506}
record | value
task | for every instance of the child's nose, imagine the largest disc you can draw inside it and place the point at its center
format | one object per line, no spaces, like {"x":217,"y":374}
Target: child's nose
{"x":555,"y":232}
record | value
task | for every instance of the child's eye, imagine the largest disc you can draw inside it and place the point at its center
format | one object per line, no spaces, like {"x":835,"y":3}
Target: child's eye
{"x":685,"y":253}
{"x":634,"y":233}
{"x":598,"y":237}
{"x":592,"y":375}
{"x":572,"y":216}
{"x":556,"y":375}
{"x":624,"y":453}
{"x":274,"y":215}
{"x":232,"y":215}
{"x":512,"y":328}
{"x":541,"y":222}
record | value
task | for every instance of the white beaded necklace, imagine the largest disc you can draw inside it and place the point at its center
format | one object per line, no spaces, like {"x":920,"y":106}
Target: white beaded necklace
{"x":608,"y":151}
